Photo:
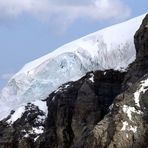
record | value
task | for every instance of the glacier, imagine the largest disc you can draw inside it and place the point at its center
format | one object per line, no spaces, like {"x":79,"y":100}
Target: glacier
{"x":109,"y":48}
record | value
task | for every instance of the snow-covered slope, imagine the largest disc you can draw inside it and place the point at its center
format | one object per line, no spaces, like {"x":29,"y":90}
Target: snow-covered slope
{"x":110,"y":48}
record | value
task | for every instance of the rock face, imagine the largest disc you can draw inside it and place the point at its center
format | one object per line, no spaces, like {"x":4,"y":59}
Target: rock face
{"x":77,"y":107}
{"x":104,"y":109}
{"x":24,"y":131}
{"x":139,"y":67}
{"x":126,"y":125}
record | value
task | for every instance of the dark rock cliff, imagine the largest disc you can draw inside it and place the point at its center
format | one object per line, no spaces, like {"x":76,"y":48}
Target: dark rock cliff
{"x":104,"y":109}
{"x":77,"y":107}
{"x":139,"y":67}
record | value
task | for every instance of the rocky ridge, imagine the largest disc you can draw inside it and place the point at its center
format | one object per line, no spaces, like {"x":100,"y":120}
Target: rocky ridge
{"x":104,"y":109}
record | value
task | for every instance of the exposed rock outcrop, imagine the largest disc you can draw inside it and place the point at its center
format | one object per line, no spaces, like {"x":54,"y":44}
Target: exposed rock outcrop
{"x":140,"y":66}
{"x":77,"y":107}
{"x":24,"y":131}
{"x":73,"y":111}
{"x":126,"y":126}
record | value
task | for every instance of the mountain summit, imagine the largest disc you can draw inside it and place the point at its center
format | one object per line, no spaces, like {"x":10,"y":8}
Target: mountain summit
{"x":109,"y":48}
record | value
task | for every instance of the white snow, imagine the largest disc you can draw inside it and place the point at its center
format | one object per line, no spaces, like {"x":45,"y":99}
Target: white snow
{"x":66,"y":86}
{"x":92,"y":77}
{"x":111,"y":107}
{"x":142,"y":89}
{"x":17,"y":114}
{"x":26,"y":135}
{"x":125,"y":124}
{"x":53,"y":99}
{"x":109,"y":48}
{"x":42,"y":105}
{"x":129,"y":110}
{"x":36,"y":131}
{"x":62,"y":88}
{"x":128,"y":127}
{"x":36,"y":138}
{"x":41,"y":119}
{"x":136,"y":98}
{"x":134,"y":129}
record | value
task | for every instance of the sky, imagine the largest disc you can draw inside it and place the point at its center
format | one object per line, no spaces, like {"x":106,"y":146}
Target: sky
{"x":30,"y":29}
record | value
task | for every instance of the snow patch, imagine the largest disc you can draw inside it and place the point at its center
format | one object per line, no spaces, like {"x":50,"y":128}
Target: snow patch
{"x":92,"y":78}
{"x":58,"y":90}
{"x":26,"y":135}
{"x":143,"y":88}
{"x":129,"y":110}
{"x":62,"y":88}
{"x":40,"y":119}
{"x":53,"y":98}
{"x":134,"y":129}
{"x":125,"y":124}
{"x":111,"y":107}
{"x":42,"y":105}
{"x":136,"y":98}
{"x":19,"y":112}
{"x":16,"y":115}
{"x":66,"y":86}
{"x":128,"y":127}
{"x":36,"y":131}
